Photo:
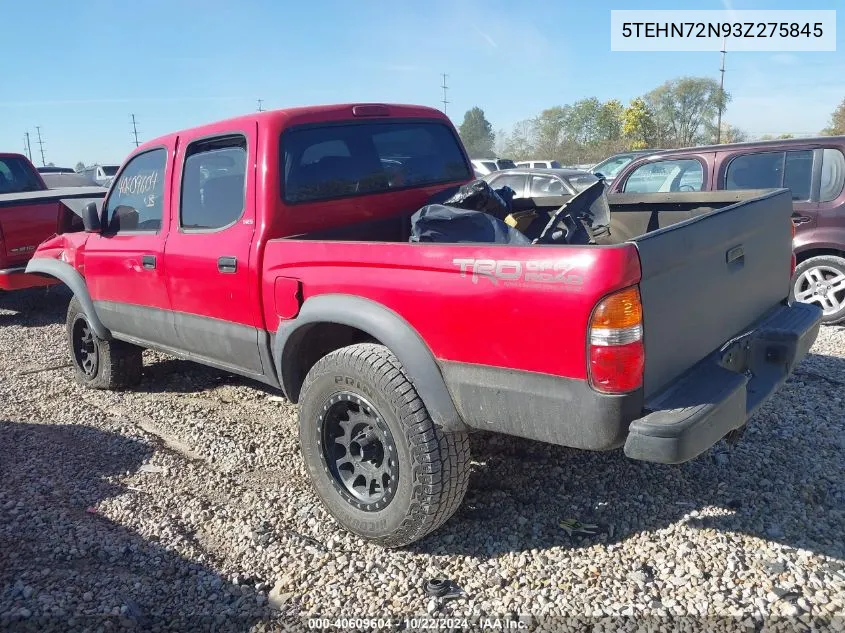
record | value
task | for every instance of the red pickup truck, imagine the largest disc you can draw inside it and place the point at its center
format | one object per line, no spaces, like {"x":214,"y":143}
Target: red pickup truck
{"x":276,"y":246}
{"x":29,"y":214}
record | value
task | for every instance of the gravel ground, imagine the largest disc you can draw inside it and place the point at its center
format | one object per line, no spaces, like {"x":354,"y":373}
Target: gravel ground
{"x":183,"y":505}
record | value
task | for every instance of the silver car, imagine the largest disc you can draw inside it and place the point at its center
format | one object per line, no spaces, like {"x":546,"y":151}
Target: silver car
{"x":541,"y":183}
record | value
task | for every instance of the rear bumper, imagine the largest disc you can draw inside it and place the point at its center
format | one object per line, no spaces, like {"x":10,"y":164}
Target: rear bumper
{"x":17,"y":279}
{"x":721,"y":392}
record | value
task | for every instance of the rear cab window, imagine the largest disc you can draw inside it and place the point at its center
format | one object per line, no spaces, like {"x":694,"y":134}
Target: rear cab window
{"x":355,"y":159}
{"x":16,"y":176}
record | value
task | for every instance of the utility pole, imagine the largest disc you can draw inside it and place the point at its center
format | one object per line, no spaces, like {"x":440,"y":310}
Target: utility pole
{"x":28,"y":147}
{"x":445,"y":88}
{"x":260,"y":101}
{"x":41,"y":145}
{"x":135,"y":130}
{"x":721,"y":93}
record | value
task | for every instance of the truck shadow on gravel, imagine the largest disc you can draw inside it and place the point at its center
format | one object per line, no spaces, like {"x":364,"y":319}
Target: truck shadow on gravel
{"x":64,"y":565}
{"x":34,"y":307}
{"x":173,"y":375}
{"x":782,"y":482}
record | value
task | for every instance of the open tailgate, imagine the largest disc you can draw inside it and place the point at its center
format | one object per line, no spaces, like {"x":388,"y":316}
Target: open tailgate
{"x":707,"y":279}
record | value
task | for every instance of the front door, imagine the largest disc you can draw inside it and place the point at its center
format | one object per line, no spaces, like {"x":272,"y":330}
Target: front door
{"x":124,"y":265}
{"x":213,"y":290}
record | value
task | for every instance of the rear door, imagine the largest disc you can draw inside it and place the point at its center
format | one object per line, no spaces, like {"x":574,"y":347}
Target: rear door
{"x":707,"y":279}
{"x":124,"y":265}
{"x":214,"y":291}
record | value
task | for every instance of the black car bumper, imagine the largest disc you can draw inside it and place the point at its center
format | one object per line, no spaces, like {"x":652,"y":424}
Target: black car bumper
{"x":721,"y":392}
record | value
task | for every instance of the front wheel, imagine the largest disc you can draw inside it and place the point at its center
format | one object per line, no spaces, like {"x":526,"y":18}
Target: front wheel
{"x":821,"y":280}
{"x":98,"y":363}
{"x":378,"y":463}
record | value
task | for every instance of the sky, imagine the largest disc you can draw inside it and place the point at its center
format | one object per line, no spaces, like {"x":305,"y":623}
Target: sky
{"x":79,"y":70}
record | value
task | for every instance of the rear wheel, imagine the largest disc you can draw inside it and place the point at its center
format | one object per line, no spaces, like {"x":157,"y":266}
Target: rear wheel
{"x":377,"y":461}
{"x":98,"y":363}
{"x":821,"y":280}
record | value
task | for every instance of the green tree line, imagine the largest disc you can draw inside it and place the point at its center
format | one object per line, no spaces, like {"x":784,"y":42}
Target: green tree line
{"x":681,"y":112}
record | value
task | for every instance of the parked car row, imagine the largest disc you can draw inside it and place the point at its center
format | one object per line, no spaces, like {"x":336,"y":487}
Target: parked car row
{"x":485,"y":166}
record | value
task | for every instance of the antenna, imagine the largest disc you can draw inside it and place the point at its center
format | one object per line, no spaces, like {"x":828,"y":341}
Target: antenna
{"x":28,"y":146}
{"x":721,"y":92}
{"x":445,"y":88}
{"x":260,"y":109}
{"x":135,"y":130}
{"x":41,"y":145}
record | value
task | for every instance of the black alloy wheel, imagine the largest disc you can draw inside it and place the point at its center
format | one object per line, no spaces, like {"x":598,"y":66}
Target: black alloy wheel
{"x":358,"y":451}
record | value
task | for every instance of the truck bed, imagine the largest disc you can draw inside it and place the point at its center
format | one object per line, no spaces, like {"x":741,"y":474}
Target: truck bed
{"x":708,"y":267}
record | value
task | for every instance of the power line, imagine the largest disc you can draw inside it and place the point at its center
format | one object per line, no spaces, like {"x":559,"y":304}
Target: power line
{"x":260,"y":109}
{"x":721,"y":92}
{"x":445,"y":88}
{"x":28,"y":146}
{"x":41,"y":146}
{"x":135,"y":130}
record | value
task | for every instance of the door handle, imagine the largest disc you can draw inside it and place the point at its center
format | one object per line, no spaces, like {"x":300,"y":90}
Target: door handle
{"x":800,"y":219}
{"x":227,"y":264}
{"x":148,"y":262}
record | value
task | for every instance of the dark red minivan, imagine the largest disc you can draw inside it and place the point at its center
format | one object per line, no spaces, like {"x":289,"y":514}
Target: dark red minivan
{"x":813,"y":168}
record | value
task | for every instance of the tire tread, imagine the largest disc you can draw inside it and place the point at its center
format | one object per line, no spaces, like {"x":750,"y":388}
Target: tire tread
{"x":440,"y":460}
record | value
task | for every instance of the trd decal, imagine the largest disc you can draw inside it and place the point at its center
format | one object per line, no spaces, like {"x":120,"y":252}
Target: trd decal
{"x":22,"y":249}
{"x":542,"y":271}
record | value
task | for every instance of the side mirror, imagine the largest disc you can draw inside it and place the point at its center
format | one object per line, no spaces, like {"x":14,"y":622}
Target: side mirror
{"x":91,"y":218}
{"x":599,"y":175}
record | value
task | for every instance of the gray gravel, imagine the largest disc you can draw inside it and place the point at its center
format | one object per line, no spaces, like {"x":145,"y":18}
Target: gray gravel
{"x":184,"y":505}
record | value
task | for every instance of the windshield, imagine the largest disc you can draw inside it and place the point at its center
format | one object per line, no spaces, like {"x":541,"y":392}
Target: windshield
{"x":579,"y":182}
{"x":490,"y":166}
{"x":612,"y":165}
{"x":506,"y":164}
{"x":110,"y":170}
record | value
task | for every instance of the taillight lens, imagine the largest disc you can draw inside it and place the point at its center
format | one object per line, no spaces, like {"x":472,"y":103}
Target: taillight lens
{"x":617,"y":355}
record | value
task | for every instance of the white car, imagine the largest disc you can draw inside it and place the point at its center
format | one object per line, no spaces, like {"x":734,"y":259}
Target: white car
{"x":485,"y":166}
{"x":101,"y":174}
{"x":539,"y":164}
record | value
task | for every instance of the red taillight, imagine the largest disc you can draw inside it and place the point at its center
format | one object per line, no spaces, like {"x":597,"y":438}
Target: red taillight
{"x":616,"y":352}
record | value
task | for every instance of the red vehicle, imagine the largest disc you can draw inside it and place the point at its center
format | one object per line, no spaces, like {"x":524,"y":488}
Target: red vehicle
{"x":29,"y":214}
{"x":276,"y":246}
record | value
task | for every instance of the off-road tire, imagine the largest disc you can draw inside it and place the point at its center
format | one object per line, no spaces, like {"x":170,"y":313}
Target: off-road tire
{"x":118,"y":363}
{"x":433,"y":465}
{"x":829,"y":264}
